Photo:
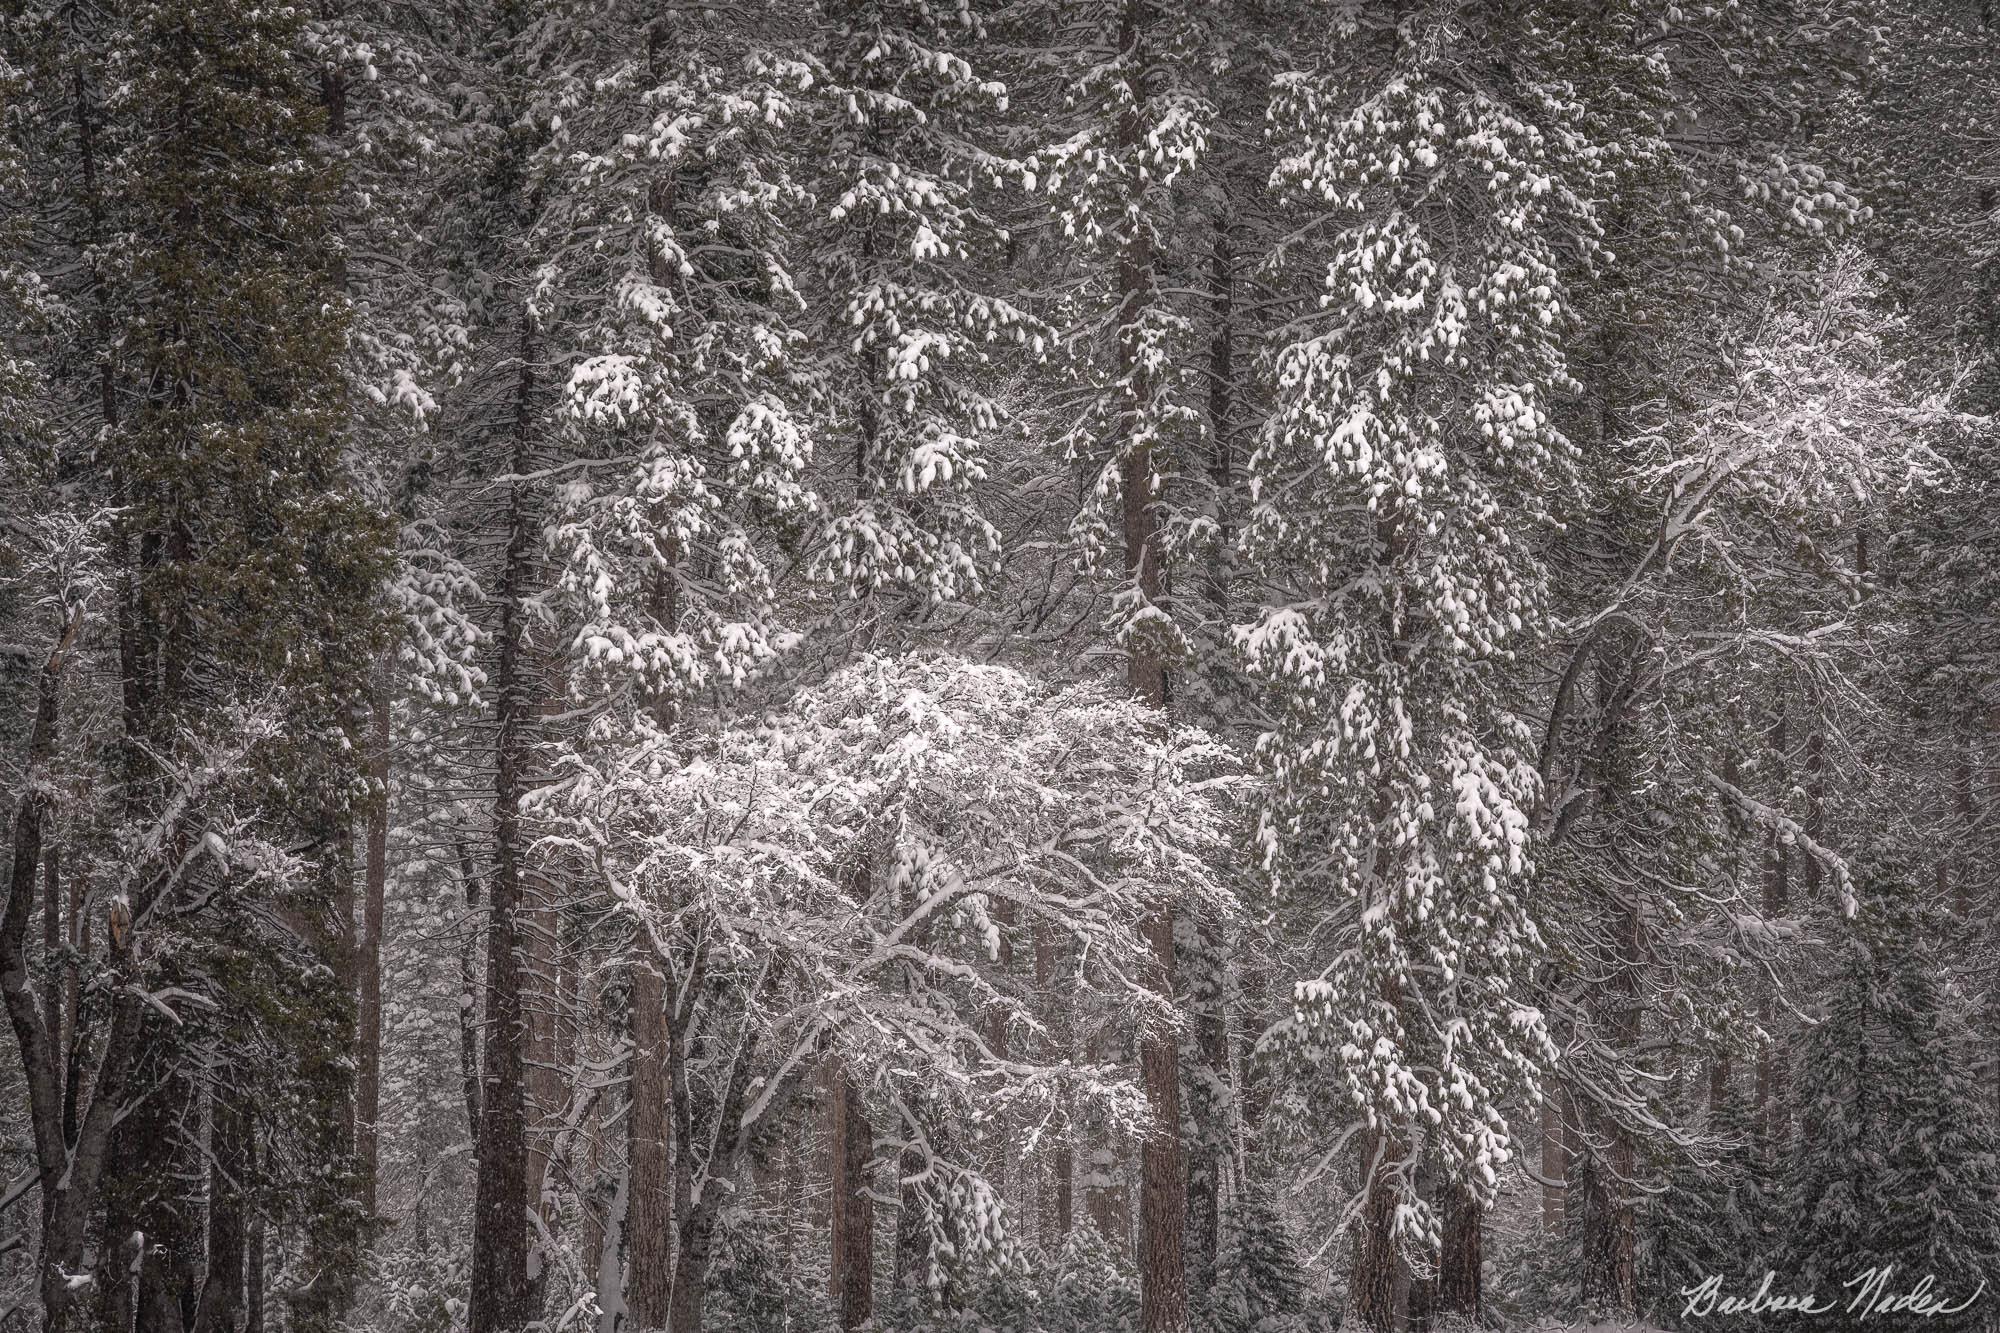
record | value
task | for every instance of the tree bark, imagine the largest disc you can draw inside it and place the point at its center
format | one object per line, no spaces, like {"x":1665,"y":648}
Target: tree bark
{"x":1459,"y":1266}
{"x":503,"y":1297}
{"x":1371,"y":1293}
{"x":253,"y":1277}
{"x":1555,"y":1161}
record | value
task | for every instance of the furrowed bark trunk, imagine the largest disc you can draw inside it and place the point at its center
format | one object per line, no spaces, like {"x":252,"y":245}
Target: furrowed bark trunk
{"x":503,"y":1296}
{"x":1371,"y":1293}
{"x":1459,"y":1267}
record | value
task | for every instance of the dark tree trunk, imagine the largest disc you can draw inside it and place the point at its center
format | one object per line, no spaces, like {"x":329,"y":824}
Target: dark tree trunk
{"x":1208,"y":1106}
{"x":697,"y":1213}
{"x":468,"y":993}
{"x":155,"y":1202}
{"x":1458,"y":1280}
{"x":1609,"y":1226}
{"x":1610,"y":1223}
{"x":503,"y":1297}
{"x":852,"y":1143}
{"x":1163,"y":1167}
{"x":52,"y":937}
{"x":253,"y":1277}
{"x":694,"y":1250}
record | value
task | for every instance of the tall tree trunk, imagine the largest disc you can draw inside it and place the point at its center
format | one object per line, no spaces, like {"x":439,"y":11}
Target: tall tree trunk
{"x":503,"y":1297}
{"x":852,"y":1143}
{"x":223,"y":1294}
{"x":52,"y":938}
{"x":468,"y":992}
{"x":546,"y":1056}
{"x":1610,"y":1223}
{"x":1555,"y":1161}
{"x":1002,"y":1164}
{"x":1208,"y":1107}
{"x":1163,"y":1168}
{"x":157,"y":1162}
{"x":694,"y":1246}
{"x":649,"y":1225}
{"x":1102,"y":1188}
{"x":1604,"y":1151}
{"x":253,"y":1275}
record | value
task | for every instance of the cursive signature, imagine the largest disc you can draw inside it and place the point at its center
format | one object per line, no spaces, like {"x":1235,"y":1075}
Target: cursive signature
{"x":1870,"y":1295}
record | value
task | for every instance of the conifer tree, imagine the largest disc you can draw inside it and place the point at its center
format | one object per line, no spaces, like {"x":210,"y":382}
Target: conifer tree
{"x":1895,"y":1165}
{"x":1411,"y":457}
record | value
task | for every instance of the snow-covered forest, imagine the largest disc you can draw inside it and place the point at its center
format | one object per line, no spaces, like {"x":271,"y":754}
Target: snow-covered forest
{"x":999,"y":666}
